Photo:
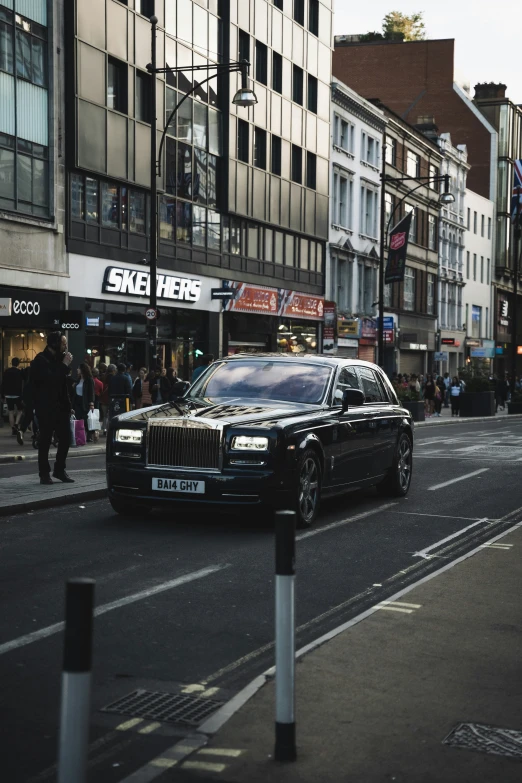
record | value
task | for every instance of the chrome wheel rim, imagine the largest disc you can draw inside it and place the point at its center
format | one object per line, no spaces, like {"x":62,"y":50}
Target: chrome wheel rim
{"x":308,"y":489}
{"x":404,"y":464}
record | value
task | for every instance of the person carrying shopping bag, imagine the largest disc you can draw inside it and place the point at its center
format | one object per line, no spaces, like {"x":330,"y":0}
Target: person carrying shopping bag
{"x":84,"y":395}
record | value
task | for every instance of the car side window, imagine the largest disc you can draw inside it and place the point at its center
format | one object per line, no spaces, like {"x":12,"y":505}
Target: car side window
{"x":371,"y":385}
{"x":347,"y":380}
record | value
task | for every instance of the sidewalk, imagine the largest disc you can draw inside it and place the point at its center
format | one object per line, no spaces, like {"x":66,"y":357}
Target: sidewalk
{"x":25,"y":493}
{"x":379,"y":701}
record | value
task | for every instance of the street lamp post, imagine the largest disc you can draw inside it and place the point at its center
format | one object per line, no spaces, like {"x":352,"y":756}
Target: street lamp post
{"x":445,"y":198}
{"x":244,"y":97}
{"x":517,"y":233}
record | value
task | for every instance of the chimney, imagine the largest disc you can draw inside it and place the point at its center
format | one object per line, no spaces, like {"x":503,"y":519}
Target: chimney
{"x":426,"y":125}
{"x":489,"y":90}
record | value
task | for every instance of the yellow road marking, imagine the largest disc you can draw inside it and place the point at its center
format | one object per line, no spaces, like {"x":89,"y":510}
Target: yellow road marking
{"x":149,"y":729}
{"x":129,"y":724}
{"x":204,"y":766}
{"x":195,"y":688}
{"x":210,"y":692}
{"x":229,"y":752}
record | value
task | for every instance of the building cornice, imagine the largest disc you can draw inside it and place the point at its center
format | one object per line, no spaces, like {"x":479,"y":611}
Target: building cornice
{"x":365,"y":112}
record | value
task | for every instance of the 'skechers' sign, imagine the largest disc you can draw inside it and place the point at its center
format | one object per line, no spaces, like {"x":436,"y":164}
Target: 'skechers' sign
{"x":132,"y":282}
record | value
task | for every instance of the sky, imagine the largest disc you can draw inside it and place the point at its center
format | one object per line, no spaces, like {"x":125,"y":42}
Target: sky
{"x":487,"y":34}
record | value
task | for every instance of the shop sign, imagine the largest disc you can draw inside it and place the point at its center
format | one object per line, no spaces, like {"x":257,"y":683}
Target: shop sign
{"x":504,"y":313}
{"x":416,"y":347}
{"x":26,"y":307}
{"x":348,"y":326}
{"x":329,"y":331}
{"x":473,"y":343}
{"x":5,"y":306}
{"x":68,"y":320}
{"x":368,"y":328}
{"x":478,"y":353}
{"x":303,"y":306}
{"x":499,"y":350}
{"x":440,"y":356}
{"x":132,"y":282}
{"x":249,"y":298}
{"x":345,"y":342}
{"x":448,"y":341}
{"x":489,"y":348}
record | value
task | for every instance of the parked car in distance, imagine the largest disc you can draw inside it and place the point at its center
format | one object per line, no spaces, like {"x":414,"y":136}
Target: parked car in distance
{"x":264,"y":430}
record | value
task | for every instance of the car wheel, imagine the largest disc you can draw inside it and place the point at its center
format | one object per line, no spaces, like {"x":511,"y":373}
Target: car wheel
{"x":308,"y":489}
{"x":127,"y":509}
{"x":398,"y":480}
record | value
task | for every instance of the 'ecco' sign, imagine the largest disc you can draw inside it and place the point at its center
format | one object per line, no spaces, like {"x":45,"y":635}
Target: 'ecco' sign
{"x":136,"y":283}
{"x":26,"y":308}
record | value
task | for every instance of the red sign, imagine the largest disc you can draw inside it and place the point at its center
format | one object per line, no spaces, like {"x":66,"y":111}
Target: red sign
{"x":255,"y":299}
{"x":368,"y":328}
{"x":398,"y":240}
{"x":388,"y":335}
{"x":448,"y":341}
{"x":303,"y":306}
{"x":249,"y":298}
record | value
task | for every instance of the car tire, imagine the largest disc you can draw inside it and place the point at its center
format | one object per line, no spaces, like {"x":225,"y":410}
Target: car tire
{"x":397,"y":482}
{"x":127,"y":509}
{"x":308,"y":490}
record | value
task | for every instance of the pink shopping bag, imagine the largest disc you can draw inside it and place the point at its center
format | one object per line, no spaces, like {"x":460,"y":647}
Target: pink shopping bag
{"x":79,"y":432}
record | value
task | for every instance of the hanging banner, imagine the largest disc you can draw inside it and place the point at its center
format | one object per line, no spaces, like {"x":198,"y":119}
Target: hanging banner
{"x":398,"y":249}
{"x":329,"y":328}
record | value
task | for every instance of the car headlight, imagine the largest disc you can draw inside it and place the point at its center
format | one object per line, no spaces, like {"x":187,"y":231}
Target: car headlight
{"x":249,"y":443}
{"x":129,"y":436}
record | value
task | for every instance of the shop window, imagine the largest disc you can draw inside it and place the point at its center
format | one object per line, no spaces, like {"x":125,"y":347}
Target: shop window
{"x":110,"y":210}
{"x":297,"y":164}
{"x":276,"y":155}
{"x":143,"y":96}
{"x":137,"y":211}
{"x":183,"y":221}
{"x":167,"y":222}
{"x":184,"y":171}
{"x":242,"y":140}
{"x":213,"y":230}
{"x":277,"y":72}
{"x":77,"y":197}
{"x":297,"y":85}
{"x":311,"y":170}
{"x":91,"y":198}
{"x":260,"y":148}
{"x":261,"y":63}
{"x":31,"y":51}
{"x":311,"y":102}
{"x":117,"y":85}
{"x":199,"y":226}
{"x":200,"y":176}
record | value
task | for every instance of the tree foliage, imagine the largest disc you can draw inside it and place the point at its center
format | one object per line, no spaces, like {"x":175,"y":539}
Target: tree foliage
{"x":411,"y":27}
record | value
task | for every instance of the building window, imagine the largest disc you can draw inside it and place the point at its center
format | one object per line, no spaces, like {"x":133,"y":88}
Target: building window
{"x":297,"y":85}
{"x":432,"y":232}
{"x":481,"y":269}
{"x":297,"y":164}
{"x":468,"y":222}
{"x":482,"y":225}
{"x":344,"y":133}
{"x":311,"y":102}
{"x":299,"y":13}
{"x":146,"y":8}
{"x":6,"y":41}
{"x":242,"y":141}
{"x":311,"y":170}
{"x":388,"y":209}
{"x":433,"y":173}
{"x":388,"y":295}
{"x":143,"y":96}
{"x":342,"y":200}
{"x":413,"y":164}
{"x":409,"y":289}
{"x":391,"y":151}
{"x":489,"y":228}
{"x":24,"y":172}
{"x":488,"y":280}
{"x":31,"y":50}
{"x":476,"y":321}
{"x":474,"y":222}
{"x":278,"y":4}
{"x":110,"y":206}
{"x":277,"y":72}
{"x":369,"y":209}
{"x":260,"y":148}
{"x":412,"y":236}
{"x":475,"y":267}
{"x":261,"y":63}
{"x":276,"y":155}
{"x":467,"y":264}
{"x":430,"y":298}
{"x":244,"y":46}
{"x":117,"y":85}
{"x":77,"y":197}
{"x":370,"y":149}
{"x":313,"y":17}
{"x":91,"y":199}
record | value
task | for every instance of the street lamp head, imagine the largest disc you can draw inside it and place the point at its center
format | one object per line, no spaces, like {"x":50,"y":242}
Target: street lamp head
{"x":446,"y":198}
{"x":245,"y":97}
{"x":154,"y":20}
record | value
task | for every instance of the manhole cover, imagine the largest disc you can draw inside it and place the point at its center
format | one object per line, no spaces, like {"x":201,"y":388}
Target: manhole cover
{"x":165,"y":707}
{"x":486,"y":739}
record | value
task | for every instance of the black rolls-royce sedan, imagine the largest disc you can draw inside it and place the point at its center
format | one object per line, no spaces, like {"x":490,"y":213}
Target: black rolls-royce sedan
{"x":262,"y":429}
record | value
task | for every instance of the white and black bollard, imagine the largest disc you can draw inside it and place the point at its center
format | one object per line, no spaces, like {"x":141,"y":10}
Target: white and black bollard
{"x":76,"y":682}
{"x":285,"y":748}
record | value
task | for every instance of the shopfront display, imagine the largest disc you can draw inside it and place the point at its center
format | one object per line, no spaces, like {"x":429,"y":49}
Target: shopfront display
{"x":26,"y":317}
{"x":257,"y":318}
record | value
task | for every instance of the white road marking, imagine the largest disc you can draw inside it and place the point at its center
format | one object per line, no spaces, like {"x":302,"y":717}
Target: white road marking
{"x":228,"y":752}
{"x":204,"y":766}
{"x":43,"y":633}
{"x":394,"y":609}
{"x":402,"y":603}
{"x":149,"y":729}
{"x":439,"y":516}
{"x":505,"y":547}
{"x":459,"y":478}
{"x":424,"y":552}
{"x":129,"y":724}
{"x":333,"y":525}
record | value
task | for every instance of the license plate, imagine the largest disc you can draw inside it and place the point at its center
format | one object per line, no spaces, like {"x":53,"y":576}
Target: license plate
{"x":187,"y":486}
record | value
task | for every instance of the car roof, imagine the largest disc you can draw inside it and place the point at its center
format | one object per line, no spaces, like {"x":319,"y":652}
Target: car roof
{"x":310,"y":358}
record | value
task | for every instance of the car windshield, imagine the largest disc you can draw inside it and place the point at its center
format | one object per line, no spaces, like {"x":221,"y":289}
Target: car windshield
{"x":265,"y":380}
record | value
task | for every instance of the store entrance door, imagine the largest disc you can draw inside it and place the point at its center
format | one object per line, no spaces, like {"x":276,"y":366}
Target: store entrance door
{"x":136,"y":354}
{"x":184,"y":358}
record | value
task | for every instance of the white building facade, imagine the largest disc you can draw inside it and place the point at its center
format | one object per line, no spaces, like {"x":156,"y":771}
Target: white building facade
{"x":478,"y":303}
{"x":357,"y":130}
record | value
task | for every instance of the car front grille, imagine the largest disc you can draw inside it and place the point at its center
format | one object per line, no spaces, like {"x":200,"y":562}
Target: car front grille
{"x":183,"y":444}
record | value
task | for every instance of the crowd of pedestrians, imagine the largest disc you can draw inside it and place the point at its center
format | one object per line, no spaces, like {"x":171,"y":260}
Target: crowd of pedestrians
{"x":437,"y":391}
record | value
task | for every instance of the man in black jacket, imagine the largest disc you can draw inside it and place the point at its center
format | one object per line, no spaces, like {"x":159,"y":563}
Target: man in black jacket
{"x":52,"y":405}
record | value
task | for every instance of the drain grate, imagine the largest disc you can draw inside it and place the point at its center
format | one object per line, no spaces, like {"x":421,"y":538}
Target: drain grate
{"x":486,"y":739}
{"x":165,"y":707}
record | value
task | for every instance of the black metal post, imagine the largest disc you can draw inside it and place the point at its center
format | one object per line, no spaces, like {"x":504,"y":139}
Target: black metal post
{"x":153,"y":326}
{"x":285,"y":747}
{"x":514,"y":337}
{"x":76,"y":682}
{"x":382,"y":250}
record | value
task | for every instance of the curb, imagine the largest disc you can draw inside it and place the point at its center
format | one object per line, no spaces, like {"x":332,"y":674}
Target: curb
{"x":32,"y":456}
{"x":63,"y":500}
{"x":465,"y":420}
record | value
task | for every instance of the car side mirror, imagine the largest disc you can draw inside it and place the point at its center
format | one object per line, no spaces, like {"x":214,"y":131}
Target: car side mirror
{"x":352,"y":398}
